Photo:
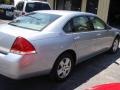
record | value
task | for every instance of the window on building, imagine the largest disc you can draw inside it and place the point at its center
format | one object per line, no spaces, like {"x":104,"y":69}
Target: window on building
{"x":20,"y":6}
{"x":74,"y":5}
{"x":60,"y":4}
{"x":92,"y":6}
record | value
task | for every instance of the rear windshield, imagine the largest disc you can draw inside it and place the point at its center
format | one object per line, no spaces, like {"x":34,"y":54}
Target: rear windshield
{"x":20,"y":6}
{"x":34,"y":21}
{"x":36,"y":6}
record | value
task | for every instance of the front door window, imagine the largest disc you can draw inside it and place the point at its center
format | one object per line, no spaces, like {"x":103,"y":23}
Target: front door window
{"x":98,"y":23}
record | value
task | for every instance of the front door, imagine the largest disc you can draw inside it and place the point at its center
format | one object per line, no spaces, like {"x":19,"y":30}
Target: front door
{"x":103,"y":35}
{"x":83,"y":36}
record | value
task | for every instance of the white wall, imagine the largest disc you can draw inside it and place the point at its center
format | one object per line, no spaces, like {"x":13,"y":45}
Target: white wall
{"x":103,"y":8}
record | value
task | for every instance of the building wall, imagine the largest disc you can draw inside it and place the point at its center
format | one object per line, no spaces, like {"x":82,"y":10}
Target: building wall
{"x":83,"y":6}
{"x":51,"y":3}
{"x":103,"y":8}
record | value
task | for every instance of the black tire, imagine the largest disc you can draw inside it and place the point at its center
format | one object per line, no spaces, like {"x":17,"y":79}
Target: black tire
{"x":115,"y":46}
{"x":56,"y":68}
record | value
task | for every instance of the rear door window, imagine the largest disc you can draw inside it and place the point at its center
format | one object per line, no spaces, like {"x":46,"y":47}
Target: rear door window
{"x":81,"y":24}
{"x":68,"y":27}
{"x":78,"y":24}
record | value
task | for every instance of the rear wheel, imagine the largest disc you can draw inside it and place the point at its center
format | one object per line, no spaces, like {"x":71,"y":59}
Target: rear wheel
{"x":63,"y":67}
{"x":115,"y":46}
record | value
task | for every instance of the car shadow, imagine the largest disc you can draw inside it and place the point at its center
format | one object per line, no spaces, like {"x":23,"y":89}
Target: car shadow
{"x":82,"y":73}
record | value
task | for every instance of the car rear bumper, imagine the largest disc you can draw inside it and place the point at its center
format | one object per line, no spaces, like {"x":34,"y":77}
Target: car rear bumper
{"x":11,"y":68}
{"x":9,"y":65}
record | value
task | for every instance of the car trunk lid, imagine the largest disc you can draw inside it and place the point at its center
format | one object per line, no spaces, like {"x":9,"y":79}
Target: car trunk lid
{"x":8,"y":35}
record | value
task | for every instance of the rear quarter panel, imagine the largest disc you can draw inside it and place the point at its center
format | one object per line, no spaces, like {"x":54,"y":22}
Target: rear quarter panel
{"x":48,"y":50}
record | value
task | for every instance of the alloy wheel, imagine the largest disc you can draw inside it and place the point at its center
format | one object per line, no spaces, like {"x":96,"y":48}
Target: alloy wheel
{"x":115,"y":45}
{"x":64,"y":68}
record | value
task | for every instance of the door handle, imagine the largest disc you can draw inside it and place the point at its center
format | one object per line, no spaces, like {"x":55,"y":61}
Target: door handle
{"x":77,"y":38}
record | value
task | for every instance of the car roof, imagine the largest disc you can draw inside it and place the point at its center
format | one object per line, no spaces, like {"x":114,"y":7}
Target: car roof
{"x":65,"y":12}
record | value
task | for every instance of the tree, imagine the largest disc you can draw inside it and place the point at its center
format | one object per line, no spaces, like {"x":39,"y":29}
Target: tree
{"x":6,"y":1}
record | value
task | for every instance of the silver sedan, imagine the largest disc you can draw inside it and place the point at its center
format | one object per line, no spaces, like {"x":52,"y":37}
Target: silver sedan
{"x":52,"y":42}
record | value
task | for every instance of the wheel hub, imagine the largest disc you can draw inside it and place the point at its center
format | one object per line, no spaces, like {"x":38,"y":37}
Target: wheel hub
{"x":64,"y":68}
{"x":115,"y":45}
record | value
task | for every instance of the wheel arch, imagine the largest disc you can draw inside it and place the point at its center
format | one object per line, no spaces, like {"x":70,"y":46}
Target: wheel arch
{"x":67,"y":51}
{"x":53,"y":70}
{"x":70,"y":51}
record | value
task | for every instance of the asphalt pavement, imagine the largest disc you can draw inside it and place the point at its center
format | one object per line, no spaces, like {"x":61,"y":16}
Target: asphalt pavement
{"x":104,"y":68}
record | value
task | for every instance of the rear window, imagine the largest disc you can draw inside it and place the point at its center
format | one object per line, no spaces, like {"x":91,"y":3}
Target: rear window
{"x":34,"y":21}
{"x":36,"y":6}
{"x":20,"y":6}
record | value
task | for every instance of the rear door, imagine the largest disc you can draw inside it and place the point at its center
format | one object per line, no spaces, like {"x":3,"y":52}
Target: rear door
{"x":83,"y":36}
{"x":80,"y":28}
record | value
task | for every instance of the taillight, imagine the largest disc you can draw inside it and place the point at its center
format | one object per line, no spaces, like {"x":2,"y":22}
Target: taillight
{"x":22,"y":46}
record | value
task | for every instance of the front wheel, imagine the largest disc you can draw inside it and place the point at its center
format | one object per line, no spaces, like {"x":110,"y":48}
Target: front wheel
{"x":62,"y":67}
{"x":115,"y":46}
